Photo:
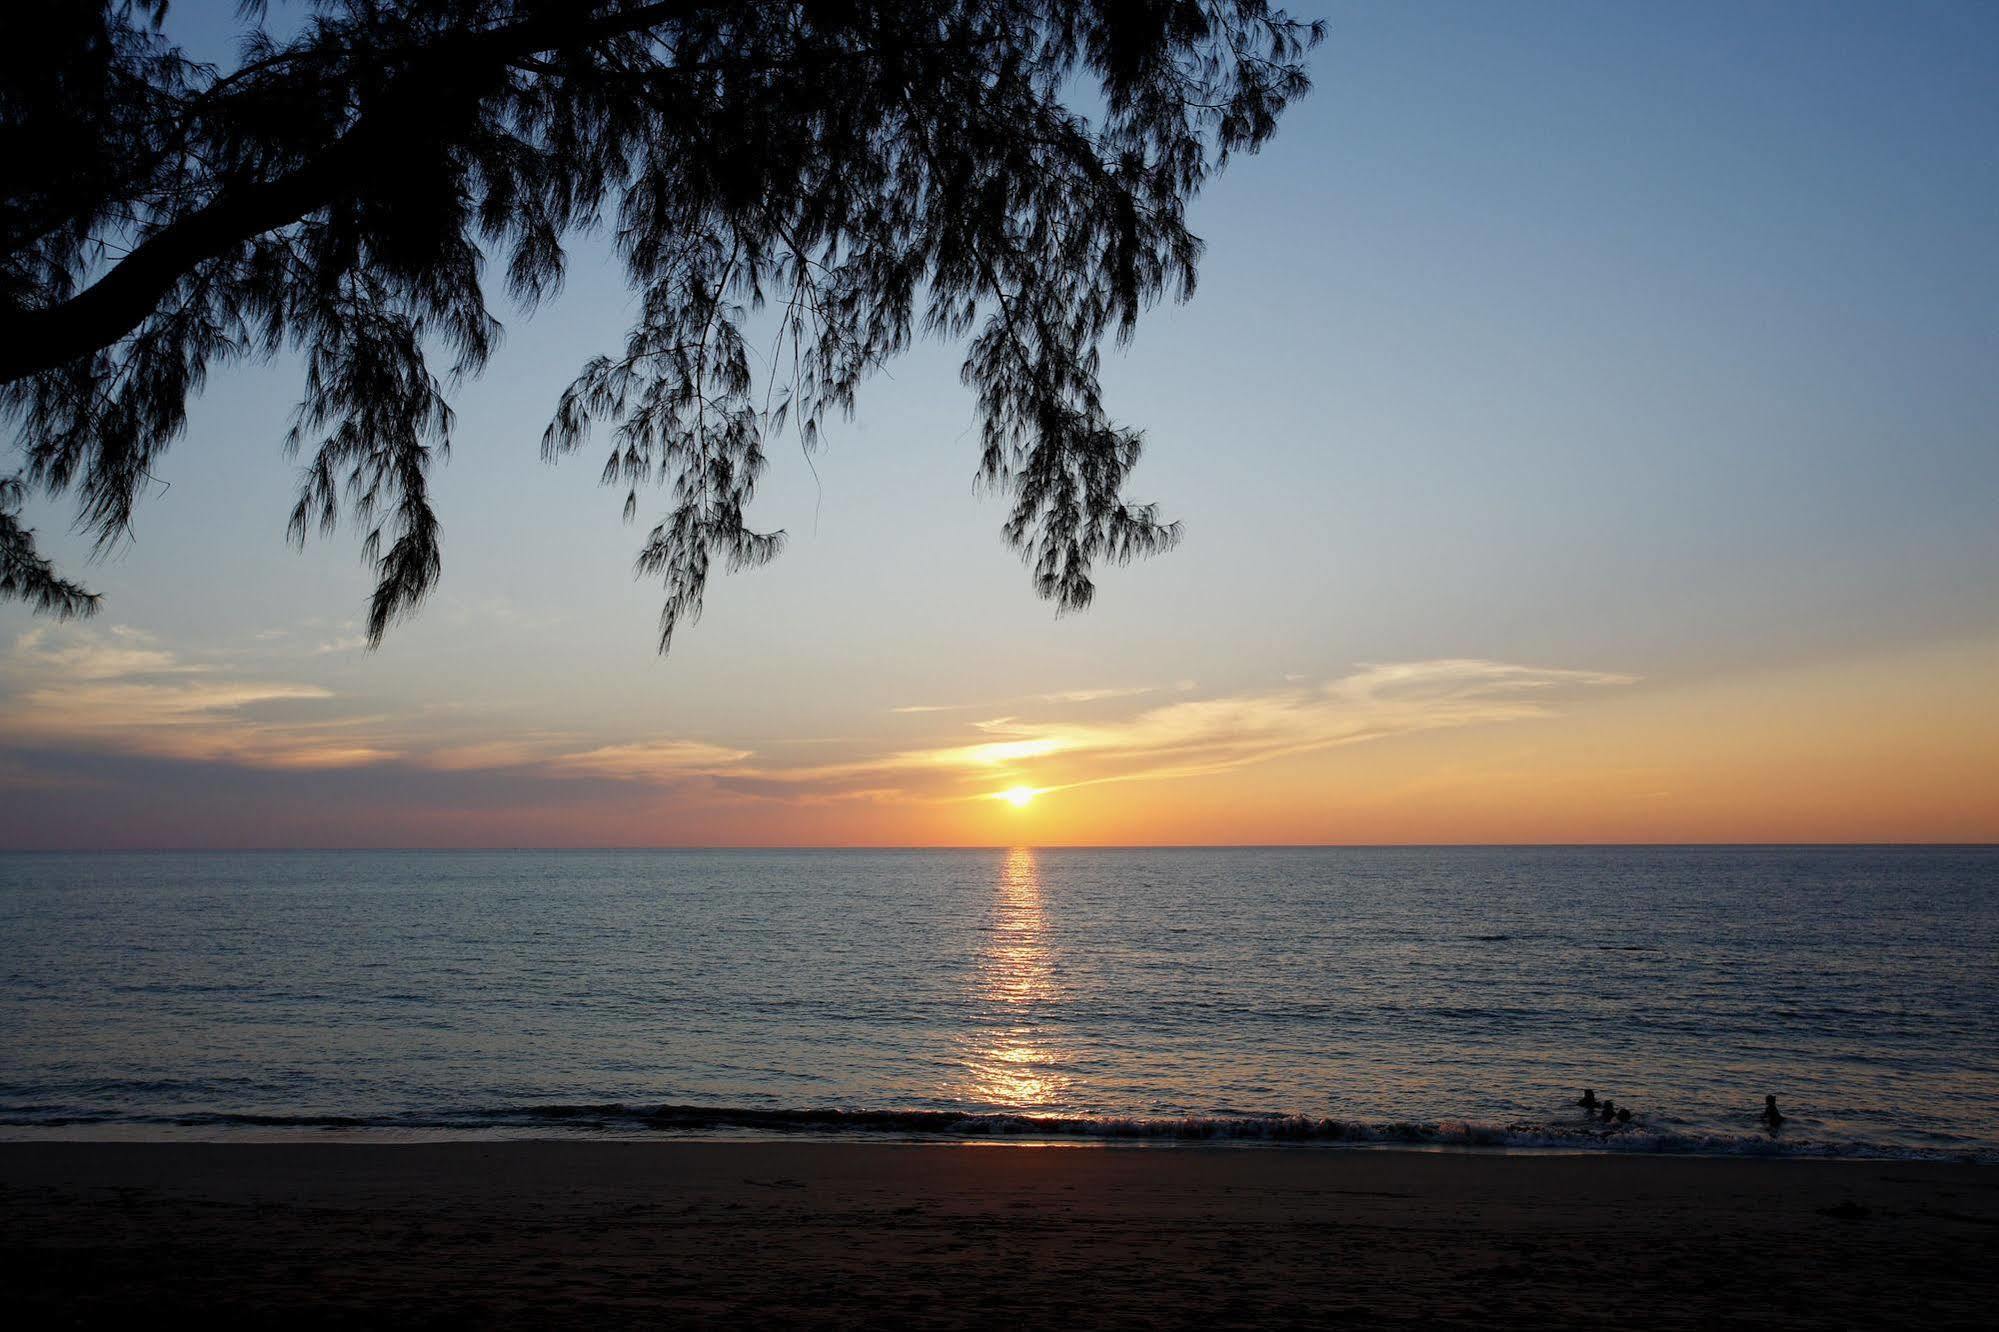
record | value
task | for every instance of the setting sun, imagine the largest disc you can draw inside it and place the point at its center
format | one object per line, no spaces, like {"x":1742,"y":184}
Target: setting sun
{"x":1020,"y":797}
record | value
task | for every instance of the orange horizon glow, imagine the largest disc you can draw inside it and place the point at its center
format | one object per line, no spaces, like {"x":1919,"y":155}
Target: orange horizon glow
{"x":1898,"y":747}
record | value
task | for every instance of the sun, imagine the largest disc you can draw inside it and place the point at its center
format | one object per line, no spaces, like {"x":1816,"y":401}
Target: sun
{"x":1020,"y":797}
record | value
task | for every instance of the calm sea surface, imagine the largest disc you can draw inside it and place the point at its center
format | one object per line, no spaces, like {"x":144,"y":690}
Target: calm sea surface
{"x":1424,"y":995}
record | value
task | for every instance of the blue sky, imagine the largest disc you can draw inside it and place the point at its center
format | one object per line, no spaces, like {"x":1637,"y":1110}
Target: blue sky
{"x":1649,"y":341}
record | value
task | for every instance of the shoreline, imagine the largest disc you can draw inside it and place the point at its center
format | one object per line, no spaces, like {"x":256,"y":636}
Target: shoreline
{"x":106,"y":1135}
{"x":828,"y":1232}
{"x":680,"y":1123}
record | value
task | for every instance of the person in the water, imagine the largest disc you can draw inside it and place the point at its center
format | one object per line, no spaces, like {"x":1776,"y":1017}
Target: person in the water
{"x":1609,"y":1110}
{"x":1623,"y":1115}
{"x":1588,"y":1099}
{"x":1771,"y":1115}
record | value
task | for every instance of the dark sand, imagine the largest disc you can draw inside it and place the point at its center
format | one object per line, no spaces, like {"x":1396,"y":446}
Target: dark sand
{"x":749,"y":1235}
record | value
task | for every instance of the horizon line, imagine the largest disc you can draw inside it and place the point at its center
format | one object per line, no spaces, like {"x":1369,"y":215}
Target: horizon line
{"x":998,"y":846}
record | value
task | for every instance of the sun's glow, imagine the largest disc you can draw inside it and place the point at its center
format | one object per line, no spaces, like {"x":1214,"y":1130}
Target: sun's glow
{"x":1018,"y":796}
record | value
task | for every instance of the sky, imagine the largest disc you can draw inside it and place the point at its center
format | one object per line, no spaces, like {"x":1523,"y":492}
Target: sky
{"x":1586,"y":430}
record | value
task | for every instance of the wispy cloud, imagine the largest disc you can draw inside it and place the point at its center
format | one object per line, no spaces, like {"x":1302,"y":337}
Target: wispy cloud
{"x":1097,"y":695}
{"x":116,"y":689}
{"x":513,"y":752}
{"x":1216,"y":734}
{"x":1194,"y":737}
{"x":656,"y":761}
{"x":1094,"y":695}
{"x":117,"y":651}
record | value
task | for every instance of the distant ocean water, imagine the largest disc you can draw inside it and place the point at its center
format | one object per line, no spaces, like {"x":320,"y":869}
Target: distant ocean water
{"x":1428,"y":996}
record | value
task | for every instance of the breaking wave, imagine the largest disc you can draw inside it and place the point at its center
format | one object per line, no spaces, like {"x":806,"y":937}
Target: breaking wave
{"x":700,"y":1121}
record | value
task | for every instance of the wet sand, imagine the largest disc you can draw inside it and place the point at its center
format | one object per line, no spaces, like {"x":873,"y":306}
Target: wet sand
{"x":866,"y":1235}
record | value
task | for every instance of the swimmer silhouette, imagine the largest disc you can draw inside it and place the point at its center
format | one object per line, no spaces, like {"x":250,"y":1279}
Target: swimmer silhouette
{"x":1588,"y":1099}
{"x":1623,"y":1115}
{"x":1609,"y":1110}
{"x":1771,"y":1114}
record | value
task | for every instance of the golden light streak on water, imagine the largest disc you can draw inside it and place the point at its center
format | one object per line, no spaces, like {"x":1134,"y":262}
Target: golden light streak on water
{"x":1013,"y":1062}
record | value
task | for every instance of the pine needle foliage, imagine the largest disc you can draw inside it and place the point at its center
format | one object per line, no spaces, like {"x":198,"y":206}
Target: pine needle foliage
{"x":1010,"y":174}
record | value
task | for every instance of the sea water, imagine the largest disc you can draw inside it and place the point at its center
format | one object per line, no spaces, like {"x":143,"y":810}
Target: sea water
{"x":1410,"y":995}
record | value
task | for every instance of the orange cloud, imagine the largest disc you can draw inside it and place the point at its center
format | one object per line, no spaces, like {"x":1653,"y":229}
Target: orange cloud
{"x":121,"y":692}
{"x":660,"y":760}
{"x":118,"y":691}
{"x":1180,"y":739}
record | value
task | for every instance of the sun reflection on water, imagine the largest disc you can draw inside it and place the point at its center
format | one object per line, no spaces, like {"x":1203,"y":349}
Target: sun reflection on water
{"x":1016,"y":966}
{"x":1011,"y":1061}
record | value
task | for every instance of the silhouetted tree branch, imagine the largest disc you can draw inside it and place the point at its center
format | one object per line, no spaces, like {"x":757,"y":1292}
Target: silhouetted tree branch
{"x":28,"y":577}
{"x":858,"y":172}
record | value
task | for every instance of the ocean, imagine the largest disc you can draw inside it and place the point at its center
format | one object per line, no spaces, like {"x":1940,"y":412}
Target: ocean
{"x":1411,"y":996}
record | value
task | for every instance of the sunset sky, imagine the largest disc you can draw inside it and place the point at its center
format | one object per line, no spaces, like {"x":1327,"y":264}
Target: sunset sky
{"x":1587,"y":429}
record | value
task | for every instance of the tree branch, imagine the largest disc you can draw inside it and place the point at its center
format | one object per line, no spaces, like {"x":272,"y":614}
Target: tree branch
{"x":34,"y":340}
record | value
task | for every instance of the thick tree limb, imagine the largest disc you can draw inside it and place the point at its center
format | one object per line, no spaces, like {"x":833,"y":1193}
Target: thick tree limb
{"x":37,"y":339}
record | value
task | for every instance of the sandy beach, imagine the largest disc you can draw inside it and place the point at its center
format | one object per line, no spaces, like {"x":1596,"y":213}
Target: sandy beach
{"x":930,"y":1236}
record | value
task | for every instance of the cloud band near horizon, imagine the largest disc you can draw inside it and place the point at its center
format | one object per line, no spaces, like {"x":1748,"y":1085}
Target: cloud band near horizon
{"x":119,"y":692}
